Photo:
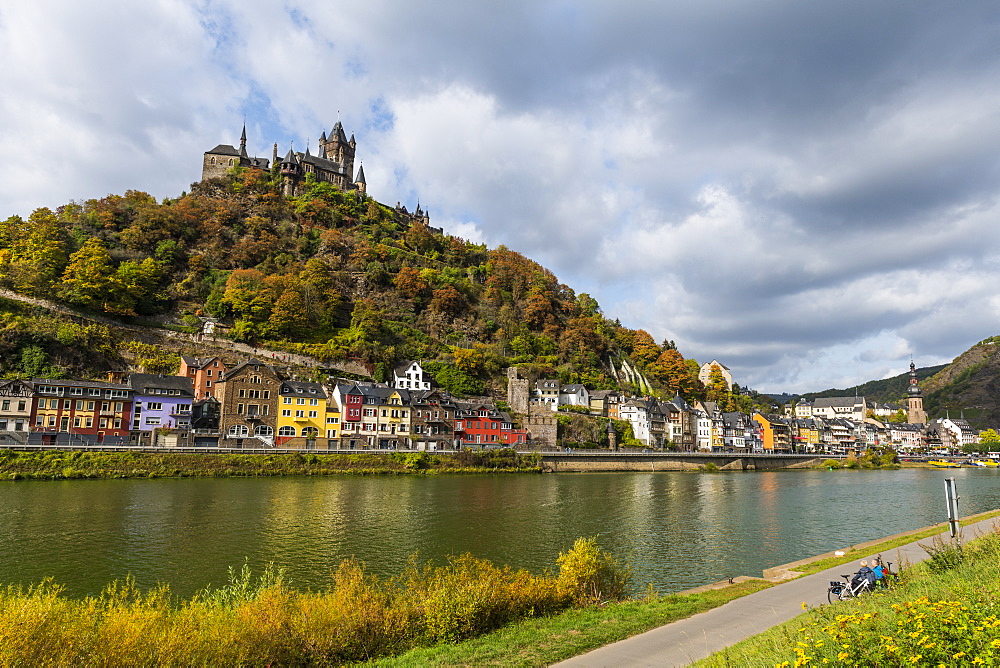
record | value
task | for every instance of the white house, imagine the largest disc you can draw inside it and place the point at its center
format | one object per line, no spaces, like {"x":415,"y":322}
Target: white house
{"x":410,"y":376}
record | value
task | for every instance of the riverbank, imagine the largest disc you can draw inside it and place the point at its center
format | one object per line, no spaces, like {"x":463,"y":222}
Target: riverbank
{"x":943,"y":612}
{"x":77,"y":464}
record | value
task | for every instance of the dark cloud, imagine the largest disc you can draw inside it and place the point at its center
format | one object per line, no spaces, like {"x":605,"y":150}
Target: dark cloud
{"x":806,"y":191}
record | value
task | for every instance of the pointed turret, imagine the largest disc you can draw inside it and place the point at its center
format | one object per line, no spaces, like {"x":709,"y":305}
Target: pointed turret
{"x":352,"y":142}
{"x":243,"y":142}
{"x":359,"y":180}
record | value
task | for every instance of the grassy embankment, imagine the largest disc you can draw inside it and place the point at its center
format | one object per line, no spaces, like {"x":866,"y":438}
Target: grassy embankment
{"x":57,"y":465}
{"x":465,"y":612}
{"x":945,"y":612}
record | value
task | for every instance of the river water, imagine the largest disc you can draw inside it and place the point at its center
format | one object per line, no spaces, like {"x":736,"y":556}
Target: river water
{"x":676,"y":530}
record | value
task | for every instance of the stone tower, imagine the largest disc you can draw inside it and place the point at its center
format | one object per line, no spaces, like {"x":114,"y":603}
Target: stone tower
{"x":517,"y":391}
{"x":914,"y":401}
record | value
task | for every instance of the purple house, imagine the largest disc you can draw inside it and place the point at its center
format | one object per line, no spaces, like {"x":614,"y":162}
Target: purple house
{"x":161,"y":402}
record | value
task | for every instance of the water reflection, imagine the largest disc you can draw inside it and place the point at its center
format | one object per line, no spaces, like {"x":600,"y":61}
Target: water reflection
{"x":677,"y":530}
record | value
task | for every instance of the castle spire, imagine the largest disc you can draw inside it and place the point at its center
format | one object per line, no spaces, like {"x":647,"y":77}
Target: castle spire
{"x":243,"y":141}
{"x":914,"y":401}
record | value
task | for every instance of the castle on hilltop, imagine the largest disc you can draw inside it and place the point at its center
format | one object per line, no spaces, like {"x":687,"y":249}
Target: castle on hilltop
{"x":334,"y":163}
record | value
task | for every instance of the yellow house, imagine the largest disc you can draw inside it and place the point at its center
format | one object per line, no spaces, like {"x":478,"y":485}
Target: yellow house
{"x":301,"y":413}
{"x":766,"y":429}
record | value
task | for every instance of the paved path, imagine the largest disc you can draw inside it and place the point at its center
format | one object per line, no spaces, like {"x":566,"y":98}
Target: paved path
{"x":687,"y":640}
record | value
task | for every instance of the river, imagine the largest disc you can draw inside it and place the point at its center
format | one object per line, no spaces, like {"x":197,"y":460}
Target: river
{"x":675,"y":530}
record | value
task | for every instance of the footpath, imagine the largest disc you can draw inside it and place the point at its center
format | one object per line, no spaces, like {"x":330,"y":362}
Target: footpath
{"x":688,"y":640}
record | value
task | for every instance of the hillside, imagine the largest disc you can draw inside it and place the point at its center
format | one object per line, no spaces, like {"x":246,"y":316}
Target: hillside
{"x":886,"y":390}
{"x":331,"y":274}
{"x":970,"y":385}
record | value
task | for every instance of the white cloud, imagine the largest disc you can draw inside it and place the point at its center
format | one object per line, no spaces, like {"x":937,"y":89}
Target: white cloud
{"x":805,"y":195}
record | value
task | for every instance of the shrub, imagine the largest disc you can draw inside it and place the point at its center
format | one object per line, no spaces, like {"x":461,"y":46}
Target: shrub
{"x":591,"y":575}
{"x":831,"y":464}
{"x":943,"y":556}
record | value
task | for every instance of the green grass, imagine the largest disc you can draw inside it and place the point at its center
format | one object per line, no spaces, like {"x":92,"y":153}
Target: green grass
{"x":853,"y":553}
{"x":542,"y":641}
{"x":62,"y":464}
{"x":941,"y":614}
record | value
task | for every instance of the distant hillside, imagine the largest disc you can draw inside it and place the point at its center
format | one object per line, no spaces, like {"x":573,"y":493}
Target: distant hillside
{"x":886,"y":390}
{"x":970,"y":385}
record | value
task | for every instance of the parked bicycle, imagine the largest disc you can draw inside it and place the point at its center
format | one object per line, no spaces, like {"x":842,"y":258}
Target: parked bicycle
{"x":851,"y":587}
{"x":889,"y":578}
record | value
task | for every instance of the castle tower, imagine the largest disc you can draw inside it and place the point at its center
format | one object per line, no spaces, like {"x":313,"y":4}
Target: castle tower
{"x":914,"y":401}
{"x":359,"y":180}
{"x":338,"y":148}
{"x":291,"y":170}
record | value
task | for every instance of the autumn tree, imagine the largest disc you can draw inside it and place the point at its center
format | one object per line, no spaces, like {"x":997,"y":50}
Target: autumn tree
{"x":247,"y":294}
{"x":39,"y":260}
{"x":87,"y":279}
{"x":410,"y":283}
{"x":716,"y":387}
{"x":289,"y":317}
{"x":644,"y":348}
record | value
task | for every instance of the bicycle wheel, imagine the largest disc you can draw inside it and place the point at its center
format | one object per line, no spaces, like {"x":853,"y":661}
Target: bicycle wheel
{"x":833,"y":594}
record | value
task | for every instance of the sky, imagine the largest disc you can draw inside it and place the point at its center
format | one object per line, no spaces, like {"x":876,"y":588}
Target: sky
{"x":805,"y":191}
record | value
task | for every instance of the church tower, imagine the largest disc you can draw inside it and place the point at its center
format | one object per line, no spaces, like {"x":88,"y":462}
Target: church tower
{"x":914,"y":402}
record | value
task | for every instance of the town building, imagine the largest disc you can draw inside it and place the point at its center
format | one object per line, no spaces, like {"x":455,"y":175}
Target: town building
{"x":705,"y":373}
{"x":204,"y":373}
{"x":411,"y":376}
{"x":159,"y":403}
{"x":78,"y":412}
{"x":249,"y":397}
{"x":15,"y":411}
{"x":301,"y":415}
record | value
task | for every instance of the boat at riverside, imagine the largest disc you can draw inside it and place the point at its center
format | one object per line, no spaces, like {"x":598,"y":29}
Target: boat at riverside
{"x":944,"y":464}
{"x":987,"y":463}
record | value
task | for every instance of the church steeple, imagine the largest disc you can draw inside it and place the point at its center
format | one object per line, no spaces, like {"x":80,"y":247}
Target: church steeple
{"x":914,"y":401}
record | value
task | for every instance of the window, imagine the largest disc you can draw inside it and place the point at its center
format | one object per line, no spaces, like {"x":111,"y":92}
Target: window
{"x":267,"y":394}
{"x":314,"y":402}
{"x":89,"y":422}
{"x":152,"y":420}
{"x":103,"y":423}
{"x":287,"y":412}
{"x":6,"y":404}
{"x":154,"y":406}
{"x":76,"y":390}
{"x":90,"y":405}
{"x":300,"y":402}
{"x":299,"y":414}
{"x":209,"y":373}
{"x":286,"y":431}
{"x":332,"y":420}
{"x":67,"y":405}
{"x":286,"y":400}
{"x":239,"y":409}
{"x":309,"y":432}
{"x":313,"y":414}
{"x":238,"y":430}
{"x":263,"y":430}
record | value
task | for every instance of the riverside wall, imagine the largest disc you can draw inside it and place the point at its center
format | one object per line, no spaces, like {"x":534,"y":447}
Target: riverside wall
{"x":583,"y":462}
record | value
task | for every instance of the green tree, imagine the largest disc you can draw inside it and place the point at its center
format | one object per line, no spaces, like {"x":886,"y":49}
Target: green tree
{"x":289,"y":317}
{"x":39,"y":260}
{"x":133,"y":287}
{"x":87,"y":279}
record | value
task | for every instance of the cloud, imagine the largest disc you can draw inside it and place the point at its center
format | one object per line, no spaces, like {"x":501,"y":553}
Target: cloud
{"x":805,"y":191}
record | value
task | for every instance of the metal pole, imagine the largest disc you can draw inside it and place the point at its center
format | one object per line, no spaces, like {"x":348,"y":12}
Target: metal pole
{"x":951,"y":497}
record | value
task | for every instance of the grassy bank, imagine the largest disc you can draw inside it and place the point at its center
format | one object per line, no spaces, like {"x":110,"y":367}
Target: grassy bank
{"x":946,"y":612}
{"x":261,"y":621}
{"x":466,"y":612}
{"x":56,"y":465}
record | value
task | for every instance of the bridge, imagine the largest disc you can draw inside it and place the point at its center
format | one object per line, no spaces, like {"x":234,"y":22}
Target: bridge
{"x":583,"y":460}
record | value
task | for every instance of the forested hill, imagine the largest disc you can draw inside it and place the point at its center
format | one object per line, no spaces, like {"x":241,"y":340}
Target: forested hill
{"x":333,"y":274}
{"x":886,"y":390}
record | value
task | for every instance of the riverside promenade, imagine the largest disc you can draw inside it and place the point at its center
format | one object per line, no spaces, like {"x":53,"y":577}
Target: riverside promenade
{"x":688,"y":640}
